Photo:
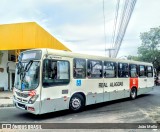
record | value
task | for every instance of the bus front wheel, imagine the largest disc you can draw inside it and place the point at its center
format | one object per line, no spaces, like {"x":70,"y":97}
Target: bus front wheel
{"x":133,"y":93}
{"x":77,"y":103}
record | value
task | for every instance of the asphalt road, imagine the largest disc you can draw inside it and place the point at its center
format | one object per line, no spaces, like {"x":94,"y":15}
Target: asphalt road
{"x":144,"y":109}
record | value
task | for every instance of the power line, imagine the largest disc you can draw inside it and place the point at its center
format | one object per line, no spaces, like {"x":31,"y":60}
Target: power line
{"x":120,"y":28}
{"x":121,"y":20}
{"x":104,"y":28}
{"x":125,"y":18}
{"x":115,"y":23}
{"x":127,"y":21}
{"x":126,"y":13}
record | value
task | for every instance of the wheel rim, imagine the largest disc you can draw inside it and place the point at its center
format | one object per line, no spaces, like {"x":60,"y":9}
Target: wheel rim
{"x":133,"y":93}
{"x":76,"y":103}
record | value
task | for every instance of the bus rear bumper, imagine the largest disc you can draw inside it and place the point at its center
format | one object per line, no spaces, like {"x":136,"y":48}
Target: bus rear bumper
{"x":32,"y":108}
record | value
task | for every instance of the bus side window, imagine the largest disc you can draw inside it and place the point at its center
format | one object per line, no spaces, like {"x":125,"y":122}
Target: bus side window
{"x":133,"y":70}
{"x":149,"y":71}
{"x":55,"y":72}
{"x":79,"y":68}
{"x":142,"y":71}
{"x":94,"y":69}
{"x":123,"y":70}
{"x":109,"y":69}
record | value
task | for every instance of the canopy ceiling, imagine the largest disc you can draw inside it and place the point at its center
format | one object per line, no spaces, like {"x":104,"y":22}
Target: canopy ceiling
{"x":27,"y":36}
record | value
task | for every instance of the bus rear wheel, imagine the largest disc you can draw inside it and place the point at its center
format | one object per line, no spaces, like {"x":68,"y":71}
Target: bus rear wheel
{"x":77,"y":103}
{"x":133,"y":93}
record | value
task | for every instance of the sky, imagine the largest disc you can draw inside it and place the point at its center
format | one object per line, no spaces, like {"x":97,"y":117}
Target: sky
{"x":79,"y":24}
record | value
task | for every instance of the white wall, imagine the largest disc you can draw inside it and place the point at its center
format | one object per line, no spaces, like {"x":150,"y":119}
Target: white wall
{"x":4,"y":75}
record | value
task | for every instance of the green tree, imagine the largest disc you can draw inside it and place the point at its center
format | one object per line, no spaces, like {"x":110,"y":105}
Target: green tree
{"x":136,"y":58}
{"x":149,"y":49}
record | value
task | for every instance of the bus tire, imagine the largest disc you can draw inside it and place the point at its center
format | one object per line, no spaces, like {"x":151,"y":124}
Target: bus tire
{"x":133,"y":93}
{"x":76,"y":103}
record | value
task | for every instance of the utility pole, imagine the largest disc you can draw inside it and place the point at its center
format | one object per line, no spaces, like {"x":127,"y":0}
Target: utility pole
{"x":109,"y":51}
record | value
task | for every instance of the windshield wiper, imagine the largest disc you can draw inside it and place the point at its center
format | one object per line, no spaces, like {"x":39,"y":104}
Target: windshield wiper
{"x":28,"y":66}
{"x":22,"y":70}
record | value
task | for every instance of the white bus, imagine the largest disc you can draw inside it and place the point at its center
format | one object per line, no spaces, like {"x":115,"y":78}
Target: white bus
{"x":50,"y":80}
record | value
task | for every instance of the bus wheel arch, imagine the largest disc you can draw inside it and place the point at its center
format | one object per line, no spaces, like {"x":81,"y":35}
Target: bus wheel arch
{"x":77,"y":102}
{"x":133,"y":93}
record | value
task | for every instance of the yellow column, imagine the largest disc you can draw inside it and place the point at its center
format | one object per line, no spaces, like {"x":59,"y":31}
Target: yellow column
{"x":17,"y":52}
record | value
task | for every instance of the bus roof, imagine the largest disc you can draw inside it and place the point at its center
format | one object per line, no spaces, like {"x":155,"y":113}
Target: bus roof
{"x":86,"y":56}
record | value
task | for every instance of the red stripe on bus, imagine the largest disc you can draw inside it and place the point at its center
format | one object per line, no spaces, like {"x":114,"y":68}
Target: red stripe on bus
{"x":133,"y":82}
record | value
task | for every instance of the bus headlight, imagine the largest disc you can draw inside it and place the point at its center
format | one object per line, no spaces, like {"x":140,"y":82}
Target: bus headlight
{"x":33,"y":99}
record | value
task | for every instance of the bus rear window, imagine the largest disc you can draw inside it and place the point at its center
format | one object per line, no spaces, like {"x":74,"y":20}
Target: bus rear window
{"x":55,"y":72}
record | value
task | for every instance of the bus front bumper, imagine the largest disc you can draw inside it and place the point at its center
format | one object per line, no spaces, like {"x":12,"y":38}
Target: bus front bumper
{"x":32,"y":108}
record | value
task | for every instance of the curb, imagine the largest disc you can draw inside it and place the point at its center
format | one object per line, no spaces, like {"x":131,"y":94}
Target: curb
{"x":6,"y":105}
{"x":5,"y":98}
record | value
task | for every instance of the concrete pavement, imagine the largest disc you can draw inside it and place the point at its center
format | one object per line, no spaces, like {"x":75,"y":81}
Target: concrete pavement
{"x":6,"y":99}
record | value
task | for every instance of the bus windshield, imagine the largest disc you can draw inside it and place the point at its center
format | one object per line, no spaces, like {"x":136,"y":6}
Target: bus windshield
{"x":27,"y":79}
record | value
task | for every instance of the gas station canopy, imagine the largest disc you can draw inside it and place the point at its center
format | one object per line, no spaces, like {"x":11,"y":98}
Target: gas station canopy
{"x":29,"y":35}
